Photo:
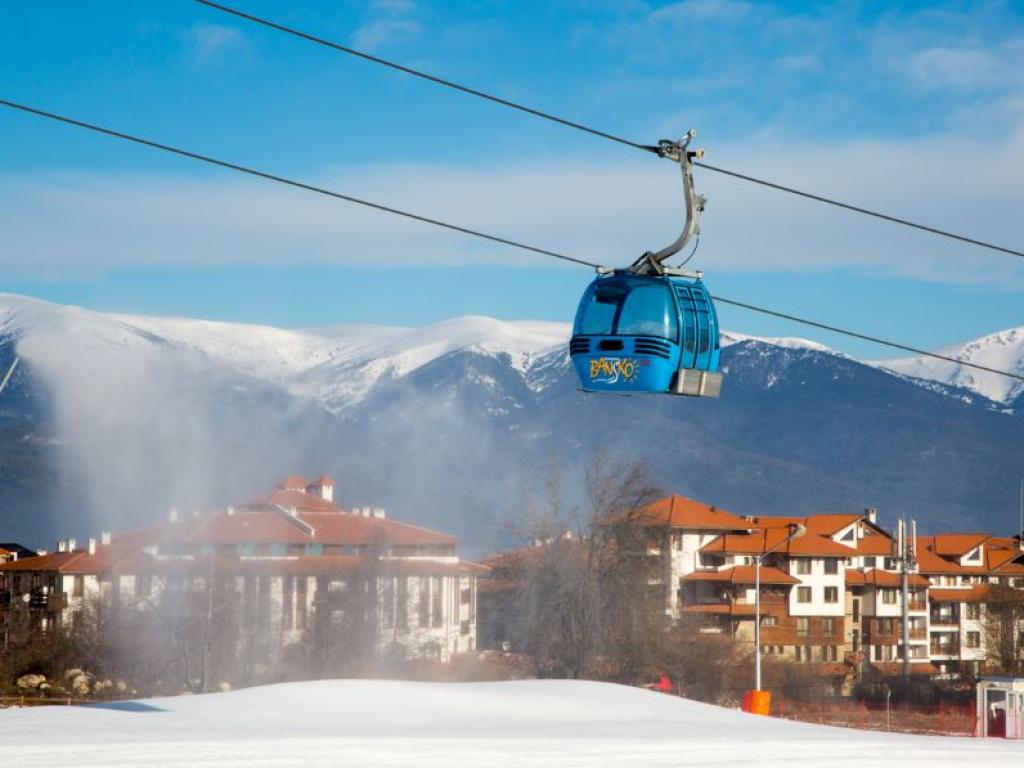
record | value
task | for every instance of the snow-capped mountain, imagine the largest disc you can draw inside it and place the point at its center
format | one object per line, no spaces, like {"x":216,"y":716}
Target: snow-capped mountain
{"x":1002,"y":351}
{"x":112,"y":419}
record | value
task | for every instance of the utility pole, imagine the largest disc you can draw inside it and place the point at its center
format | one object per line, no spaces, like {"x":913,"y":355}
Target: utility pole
{"x":905,"y":553}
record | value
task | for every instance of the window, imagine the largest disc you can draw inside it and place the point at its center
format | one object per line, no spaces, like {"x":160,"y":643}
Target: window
{"x":889,"y":596}
{"x":828,"y":626}
{"x":803,"y":625}
{"x":466,"y":595}
{"x":974,"y":555}
{"x":78,"y":588}
{"x":287,"y":602}
{"x":890,"y":563}
{"x":856,"y":609}
{"x":974,"y":611}
{"x":143,"y":585}
{"x":869,"y":562}
{"x":246,"y":550}
{"x":855,"y":640}
{"x":277,"y":550}
{"x":438,"y":606}
{"x":769,"y":621}
{"x":974,"y":640}
{"x":314,"y":549}
{"x":803,"y":594}
{"x":803,"y":565}
{"x":831,"y":594}
{"x":402,"y":603}
{"x":828,"y":653}
{"x":849,"y":535}
{"x":643,"y":310}
{"x":424,"y":601}
{"x":831,"y":566}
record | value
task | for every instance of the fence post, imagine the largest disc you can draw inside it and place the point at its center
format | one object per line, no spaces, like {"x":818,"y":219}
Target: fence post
{"x":863,"y":714}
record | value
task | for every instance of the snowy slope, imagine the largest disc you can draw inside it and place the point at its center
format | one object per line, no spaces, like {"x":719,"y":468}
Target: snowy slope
{"x":1003,"y":350}
{"x":335,"y":366}
{"x":338,"y":366}
{"x":528,"y":723}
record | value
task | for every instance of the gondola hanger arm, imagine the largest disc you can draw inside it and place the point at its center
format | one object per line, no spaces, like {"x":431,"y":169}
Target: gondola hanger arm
{"x":652,"y":263}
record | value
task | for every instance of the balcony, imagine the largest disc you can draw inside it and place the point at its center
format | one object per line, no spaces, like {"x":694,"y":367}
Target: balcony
{"x":918,"y":633}
{"x":944,"y":619}
{"x":945,"y":649}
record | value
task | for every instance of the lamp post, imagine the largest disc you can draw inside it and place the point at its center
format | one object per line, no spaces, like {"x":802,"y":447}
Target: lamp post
{"x":796,"y":530}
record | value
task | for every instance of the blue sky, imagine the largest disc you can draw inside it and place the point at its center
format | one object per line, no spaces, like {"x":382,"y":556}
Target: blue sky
{"x":917,"y":109}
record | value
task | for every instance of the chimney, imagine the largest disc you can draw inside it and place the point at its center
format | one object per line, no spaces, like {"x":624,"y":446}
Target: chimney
{"x":322,"y":488}
{"x":105,"y":537}
{"x":40,"y":552}
{"x":71,"y":545}
{"x":872,"y":515}
{"x":379,"y":512}
{"x":92,"y":546}
{"x":231,"y":511}
{"x":62,"y":546}
{"x":173,"y":515}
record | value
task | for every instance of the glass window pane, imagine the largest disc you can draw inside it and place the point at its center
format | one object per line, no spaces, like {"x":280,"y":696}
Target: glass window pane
{"x":597,"y":315}
{"x":648,"y":311}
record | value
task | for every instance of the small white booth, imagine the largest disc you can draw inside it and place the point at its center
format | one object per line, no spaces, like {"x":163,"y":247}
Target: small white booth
{"x":1000,"y":708}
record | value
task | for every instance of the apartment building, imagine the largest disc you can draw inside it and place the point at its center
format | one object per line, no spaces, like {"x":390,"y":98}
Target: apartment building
{"x":287,"y":558}
{"x":830,"y":598}
{"x":959,"y":568}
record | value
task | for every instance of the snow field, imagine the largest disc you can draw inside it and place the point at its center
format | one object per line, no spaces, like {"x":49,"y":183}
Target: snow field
{"x":517,"y":724}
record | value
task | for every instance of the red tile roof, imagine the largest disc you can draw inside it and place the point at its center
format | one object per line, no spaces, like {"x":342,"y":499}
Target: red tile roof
{"x":957,"y":544}
{"x":809,"y":544}
{"x":973,"y":594}
{"x":830,"y":524}
{"x":876,"y":577}
{"x":680,"y":512}
{"x":874,"y":544}
{"x":743,"y":574}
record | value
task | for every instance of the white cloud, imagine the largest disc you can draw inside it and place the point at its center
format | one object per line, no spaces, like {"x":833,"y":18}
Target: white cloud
{"x":209,"y":41}
{"x":957,"y":67}
{"x":378,"y":34}
{"x":691,"y":11}
{"x":599,"y":212}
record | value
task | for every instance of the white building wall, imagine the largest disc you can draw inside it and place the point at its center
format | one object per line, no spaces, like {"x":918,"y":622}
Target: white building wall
{"x":817,"y":580}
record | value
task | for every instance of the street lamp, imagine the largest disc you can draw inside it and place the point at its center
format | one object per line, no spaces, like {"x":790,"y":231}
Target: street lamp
{"x":796,"y":530}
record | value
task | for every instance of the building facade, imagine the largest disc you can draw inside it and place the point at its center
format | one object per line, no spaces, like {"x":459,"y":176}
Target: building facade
{"x":285,"y":564}
{"x":831,"y":598}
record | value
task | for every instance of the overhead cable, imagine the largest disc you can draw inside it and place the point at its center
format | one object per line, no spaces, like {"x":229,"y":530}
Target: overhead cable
{"x":445,"y":225}
{"x":425,"y":75}
{"x":595,"y":132}
{"x":284,"y":180}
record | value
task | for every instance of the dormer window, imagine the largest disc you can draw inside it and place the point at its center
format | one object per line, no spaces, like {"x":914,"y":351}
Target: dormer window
{"x":974,"y":555}
{"x":850,"y":535}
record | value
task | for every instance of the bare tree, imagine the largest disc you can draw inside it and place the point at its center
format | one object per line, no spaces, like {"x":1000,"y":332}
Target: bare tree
{"x":582,"y":607}
{"x":1004,"y":628}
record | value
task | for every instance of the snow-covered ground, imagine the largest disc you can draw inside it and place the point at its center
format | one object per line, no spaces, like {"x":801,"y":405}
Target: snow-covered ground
{"x":527,"y":723}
